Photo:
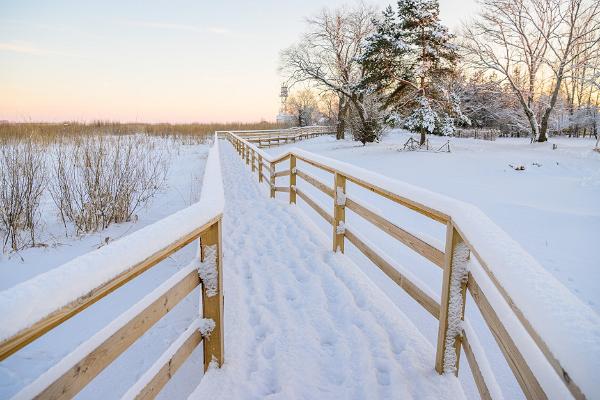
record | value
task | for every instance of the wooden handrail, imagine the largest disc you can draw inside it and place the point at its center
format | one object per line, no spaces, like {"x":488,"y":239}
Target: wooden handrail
{"x":458,"y":247}
{"x":202,"y":224}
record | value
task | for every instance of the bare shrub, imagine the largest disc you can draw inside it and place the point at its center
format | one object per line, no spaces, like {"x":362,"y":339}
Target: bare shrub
{"x":100,"y":180}
{"x":22,"y":181}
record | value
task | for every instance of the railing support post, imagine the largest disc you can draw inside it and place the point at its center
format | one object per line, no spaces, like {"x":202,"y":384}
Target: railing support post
{"x":272,"y":179}
{"x":339,"y":211}
{"x":292,"y":179}
{"x":260,"y":169}
{"x":247,"y":155}
{"x":452,"y":305}
{"x":253,"y":161}
{"x":212,"y":304}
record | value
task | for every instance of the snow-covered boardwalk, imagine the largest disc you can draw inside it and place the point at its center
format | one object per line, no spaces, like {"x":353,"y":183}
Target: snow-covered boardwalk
{"x":302,"y":321}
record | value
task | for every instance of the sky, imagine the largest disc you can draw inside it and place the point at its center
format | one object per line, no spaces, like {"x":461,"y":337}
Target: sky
{"x":153,"y":61}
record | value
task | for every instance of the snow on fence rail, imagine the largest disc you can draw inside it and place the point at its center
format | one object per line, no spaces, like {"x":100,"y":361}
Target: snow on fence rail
{"x":34,"y":307}
{"x":550,"y":339}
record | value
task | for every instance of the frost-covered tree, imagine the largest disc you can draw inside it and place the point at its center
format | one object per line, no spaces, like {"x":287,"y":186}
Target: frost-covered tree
{"x":409,"y":61}
{"x":327,"y":57}
{"x":542,"y":38}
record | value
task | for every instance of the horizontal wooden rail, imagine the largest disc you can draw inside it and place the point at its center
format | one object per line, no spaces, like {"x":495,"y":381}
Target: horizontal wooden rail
{"x":432,"y":306}
{"x":315,"y":182}
{"x":459,"y":251}
{"x":166,"y":367}
{"x":80,"y":374}
{"x":315,"y":206}
{"x":431,"y":253}
{"x":527,"y":380}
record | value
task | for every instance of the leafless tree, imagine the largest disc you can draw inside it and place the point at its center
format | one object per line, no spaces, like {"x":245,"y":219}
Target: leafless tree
{"x":531,"y":44}
{"x":303,"y":106}
{"x":327,"y":57}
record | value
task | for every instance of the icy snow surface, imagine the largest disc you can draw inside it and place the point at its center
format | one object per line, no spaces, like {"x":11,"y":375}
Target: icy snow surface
{"x":302,"y":322}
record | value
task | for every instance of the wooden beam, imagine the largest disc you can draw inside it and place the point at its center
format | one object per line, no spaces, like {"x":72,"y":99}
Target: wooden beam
{"x":260,"y":169}
{"x":212,"y":304}
{"x":285,"y":172}
{"x":282,"y":189}
{"x":90,"y":365}
{"x":457,"y":255}
{"x":339,"y":211}
{"x":541,"y":344}
{"x":272,"y":179}
{"x":420,"y":246}
{"x":484,"y":392}
{"x":315,"y":182}
{"x":314,"y":206}
{"x":525,"y":377}
{"x":165,"y":369}
{"x":293,"y":179}
{"x":413,"y":290}
{"x":28,"y":335}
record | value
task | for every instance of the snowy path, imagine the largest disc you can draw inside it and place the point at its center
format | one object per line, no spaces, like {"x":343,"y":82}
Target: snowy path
{"x":303,"y":322}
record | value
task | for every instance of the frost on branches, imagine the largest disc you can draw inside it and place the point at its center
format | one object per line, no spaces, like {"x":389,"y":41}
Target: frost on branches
{"x":207,"y":270}
{"x":422,"y":118}
{"x":458,"y":276}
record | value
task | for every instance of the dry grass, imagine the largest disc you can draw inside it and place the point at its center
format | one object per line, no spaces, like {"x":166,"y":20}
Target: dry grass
{"x":51,"y":132}
{"x":22,"y":181}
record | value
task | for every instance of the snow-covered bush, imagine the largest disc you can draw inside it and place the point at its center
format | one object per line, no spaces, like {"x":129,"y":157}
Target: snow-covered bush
{"x":22,"y":181}
{"x":99,"y":180}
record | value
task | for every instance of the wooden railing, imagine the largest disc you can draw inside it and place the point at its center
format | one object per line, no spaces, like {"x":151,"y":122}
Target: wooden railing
{"x":267,"y":138}
{"x":202,"y":222}
{"x":469,"y":261}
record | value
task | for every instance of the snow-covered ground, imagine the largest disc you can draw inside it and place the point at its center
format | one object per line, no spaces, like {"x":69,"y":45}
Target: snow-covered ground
{"x":551,"y":208}
{"x":182,"y":188}
{"x":294,"y":332}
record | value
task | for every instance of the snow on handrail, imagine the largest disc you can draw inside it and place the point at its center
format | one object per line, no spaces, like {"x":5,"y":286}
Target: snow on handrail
{"x":565,"y":330}
{"x":36,"y":299}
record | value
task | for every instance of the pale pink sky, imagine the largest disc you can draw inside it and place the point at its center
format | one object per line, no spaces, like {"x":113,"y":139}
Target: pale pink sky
{"x":152,"y":61}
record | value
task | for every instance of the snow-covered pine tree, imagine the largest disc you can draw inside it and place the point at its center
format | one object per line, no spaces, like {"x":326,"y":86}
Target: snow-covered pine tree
{"x":409,"y":61}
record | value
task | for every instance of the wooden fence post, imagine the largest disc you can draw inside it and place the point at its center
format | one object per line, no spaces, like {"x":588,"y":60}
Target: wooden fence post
{"x":253,"y":161}
{"x":212,"y":306}
{"x":339,"y":211}
{"x":247,"y":155}
{"x":260,"y":169}
{"x":292,"y":179}
{"x":452,"y":305}
{"x":272,"y":179}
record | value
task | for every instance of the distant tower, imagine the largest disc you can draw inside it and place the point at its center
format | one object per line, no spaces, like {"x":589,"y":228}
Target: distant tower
{"x":283,"y":95}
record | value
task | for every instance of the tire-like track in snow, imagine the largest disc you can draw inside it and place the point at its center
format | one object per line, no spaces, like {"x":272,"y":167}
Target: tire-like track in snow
{"x":302,"y":322}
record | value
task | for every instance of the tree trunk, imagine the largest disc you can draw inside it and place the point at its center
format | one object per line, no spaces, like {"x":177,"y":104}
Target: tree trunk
{"x":423,"y":137}
{"x":341,"y":125}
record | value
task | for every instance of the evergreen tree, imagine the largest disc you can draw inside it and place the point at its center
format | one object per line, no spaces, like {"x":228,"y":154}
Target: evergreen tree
{"x":409,"y":61}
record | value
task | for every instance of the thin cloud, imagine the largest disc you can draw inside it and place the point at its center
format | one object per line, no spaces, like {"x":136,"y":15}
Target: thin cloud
{"x":29,"y":48}
{"x":179,"y":27}
{"x":24,"y":48}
